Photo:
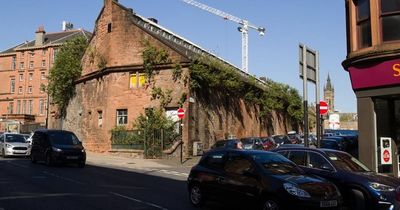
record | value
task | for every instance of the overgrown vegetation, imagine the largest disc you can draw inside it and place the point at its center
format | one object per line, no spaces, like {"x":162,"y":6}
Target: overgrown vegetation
{"x":156,"y":128}
{"x":67,"y":68}
{"x":209,"y":74}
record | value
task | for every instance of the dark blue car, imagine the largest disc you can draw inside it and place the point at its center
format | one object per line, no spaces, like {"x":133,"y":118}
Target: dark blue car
{"x":361,"y":188}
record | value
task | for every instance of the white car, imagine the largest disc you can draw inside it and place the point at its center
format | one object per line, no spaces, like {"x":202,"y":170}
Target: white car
{"x":13,"y":144}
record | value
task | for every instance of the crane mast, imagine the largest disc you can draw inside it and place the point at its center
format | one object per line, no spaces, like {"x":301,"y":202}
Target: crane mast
{"x":245,"y":25}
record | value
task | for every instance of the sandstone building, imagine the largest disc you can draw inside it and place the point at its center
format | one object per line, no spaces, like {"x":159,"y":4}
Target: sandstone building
{"x":113,"y":90}
{"x":23,"y":75}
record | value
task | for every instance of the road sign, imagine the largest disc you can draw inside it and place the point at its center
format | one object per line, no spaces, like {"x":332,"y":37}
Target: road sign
{"x":181,"y":113}
{"x":386,"y":151}
{"x":323,"y":107}
{"x":311,"y":63}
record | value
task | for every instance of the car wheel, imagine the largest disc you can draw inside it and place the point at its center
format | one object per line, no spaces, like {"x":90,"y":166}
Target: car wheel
{"x":33,"y":159}
{"x":358,"y":201}
{"x":49,"y":161}
{"x":3,"y":153}
{"x":196,"y":196}
{"x":270,"y":204}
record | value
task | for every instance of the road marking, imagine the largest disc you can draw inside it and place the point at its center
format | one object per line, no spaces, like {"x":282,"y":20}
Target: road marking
{"x":16,"y":164}
{"x":139,"y":201}
{"x":63,"y":178}
{"x":49,"y":195}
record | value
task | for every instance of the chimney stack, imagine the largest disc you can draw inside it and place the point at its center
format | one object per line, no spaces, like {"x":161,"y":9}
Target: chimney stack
{"x":39,"y":41}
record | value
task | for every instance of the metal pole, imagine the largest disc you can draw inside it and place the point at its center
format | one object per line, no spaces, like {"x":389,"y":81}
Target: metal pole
{"x":305,"y":96}
{"x":317,"y":99}
{"x":180,"y":131}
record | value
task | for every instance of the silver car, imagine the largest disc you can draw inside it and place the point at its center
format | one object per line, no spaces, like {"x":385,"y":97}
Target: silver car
{"x":13,"y":144}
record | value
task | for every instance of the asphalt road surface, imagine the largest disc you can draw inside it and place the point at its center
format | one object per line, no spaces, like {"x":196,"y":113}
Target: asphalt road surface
{"x":24,"y":185}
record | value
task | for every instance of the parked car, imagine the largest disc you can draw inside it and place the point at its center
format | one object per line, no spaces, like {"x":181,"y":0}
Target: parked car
{"x":260,"y":178}
{"x":13,"y":144}
{"x":281,"y":139}
{"x":294,"y":137}
{"x":252,"y":143}
{"x":361,"y":188}
{"x":228,"y":144}
{"x":342,"y":142}
{"x":268,"y":143}
{"x":330,"y":144}
{"x":57,"y":146}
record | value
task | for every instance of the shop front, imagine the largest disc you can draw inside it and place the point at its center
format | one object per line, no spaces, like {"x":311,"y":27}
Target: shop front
{"x":377,"y":87}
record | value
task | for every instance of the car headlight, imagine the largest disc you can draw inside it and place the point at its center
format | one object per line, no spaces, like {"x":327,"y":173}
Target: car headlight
{"x":8,"y":145}
{"x":55,"y":149}
{"x":83,"y":150}
{"x":381,"y":187}
{"x":294,"y":190}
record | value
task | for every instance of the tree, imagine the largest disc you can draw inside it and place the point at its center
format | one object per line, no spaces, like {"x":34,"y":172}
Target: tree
{"x":67,"y":68}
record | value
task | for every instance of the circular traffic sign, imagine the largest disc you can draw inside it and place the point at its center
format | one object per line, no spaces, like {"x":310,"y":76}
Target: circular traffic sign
{"x":181,"y":113}
{"x":323,"y":107}
{"x":386,"y":155}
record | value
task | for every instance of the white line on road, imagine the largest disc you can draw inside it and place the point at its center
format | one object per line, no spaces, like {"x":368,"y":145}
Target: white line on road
{"x":139,"y":201}
{"x":63,"y":178}
{"x":16,"y":164}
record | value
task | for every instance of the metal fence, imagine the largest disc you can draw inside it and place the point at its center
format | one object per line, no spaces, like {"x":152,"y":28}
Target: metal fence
{"x":152,"y":142}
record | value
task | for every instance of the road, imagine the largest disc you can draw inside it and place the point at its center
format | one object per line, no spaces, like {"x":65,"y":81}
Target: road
{"x":24,"y":185}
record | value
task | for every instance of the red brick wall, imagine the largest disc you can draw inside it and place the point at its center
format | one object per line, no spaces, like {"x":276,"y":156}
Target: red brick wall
{"x":205,"y":121}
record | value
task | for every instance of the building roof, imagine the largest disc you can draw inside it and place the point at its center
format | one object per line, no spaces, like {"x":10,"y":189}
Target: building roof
{"x":176,"y":42}
{"x":50,"y":39}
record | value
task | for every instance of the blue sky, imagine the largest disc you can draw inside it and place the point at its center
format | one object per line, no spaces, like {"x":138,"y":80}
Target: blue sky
{"x":318,"y":24}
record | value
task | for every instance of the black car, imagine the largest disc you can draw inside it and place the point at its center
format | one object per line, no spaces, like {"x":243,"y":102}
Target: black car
{"x":57,"y":146}
{"x":264,"y":179}
{"x":227,"y":144}
{"x":361,"y":188}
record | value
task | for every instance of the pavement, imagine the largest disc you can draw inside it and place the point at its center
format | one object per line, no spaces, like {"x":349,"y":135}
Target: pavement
{"x":172,"y":166}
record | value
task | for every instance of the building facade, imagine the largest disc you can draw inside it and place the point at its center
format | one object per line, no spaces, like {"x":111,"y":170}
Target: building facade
{"x":373,"y":64}
{"x":23,"y":76}
{"x":117,"y":92}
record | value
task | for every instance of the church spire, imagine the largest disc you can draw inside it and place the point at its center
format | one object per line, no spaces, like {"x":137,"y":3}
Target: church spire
{"x":328,"y":85}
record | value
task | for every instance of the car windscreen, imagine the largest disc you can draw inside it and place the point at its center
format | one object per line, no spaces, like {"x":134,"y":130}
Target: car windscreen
{"x":276,"y":164}
{"x":15,"y":138}
{"x":346,"y":162}
{"x":63,"y":139}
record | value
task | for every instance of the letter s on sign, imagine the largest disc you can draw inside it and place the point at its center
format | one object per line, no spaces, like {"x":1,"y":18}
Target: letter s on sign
{"x":396,"y":69}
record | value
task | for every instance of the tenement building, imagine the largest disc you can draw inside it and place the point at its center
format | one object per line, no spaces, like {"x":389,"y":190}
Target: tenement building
{"x":373,"y":63}
{"x":23,"y":76}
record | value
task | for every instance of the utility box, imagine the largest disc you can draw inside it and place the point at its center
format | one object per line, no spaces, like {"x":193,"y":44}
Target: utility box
{"x":197,"y":148}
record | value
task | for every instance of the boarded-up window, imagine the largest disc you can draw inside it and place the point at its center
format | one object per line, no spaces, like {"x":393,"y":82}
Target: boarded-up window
{"x":137,"y":80}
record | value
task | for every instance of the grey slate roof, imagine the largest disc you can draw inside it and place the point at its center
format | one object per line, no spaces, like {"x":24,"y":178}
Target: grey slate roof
{"x":50,"y":39}
{"x":176,"y":42}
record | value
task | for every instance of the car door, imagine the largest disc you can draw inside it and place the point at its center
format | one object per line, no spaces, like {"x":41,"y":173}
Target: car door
{"x":297,"y":156}
{"x":213,"y":175}
{"x":241,"y":180}
{"x":318,"y":165}
{"x":38,"y":148}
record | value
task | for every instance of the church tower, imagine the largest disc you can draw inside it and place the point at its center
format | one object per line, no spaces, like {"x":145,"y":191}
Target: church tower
{"x":329,"y":95}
